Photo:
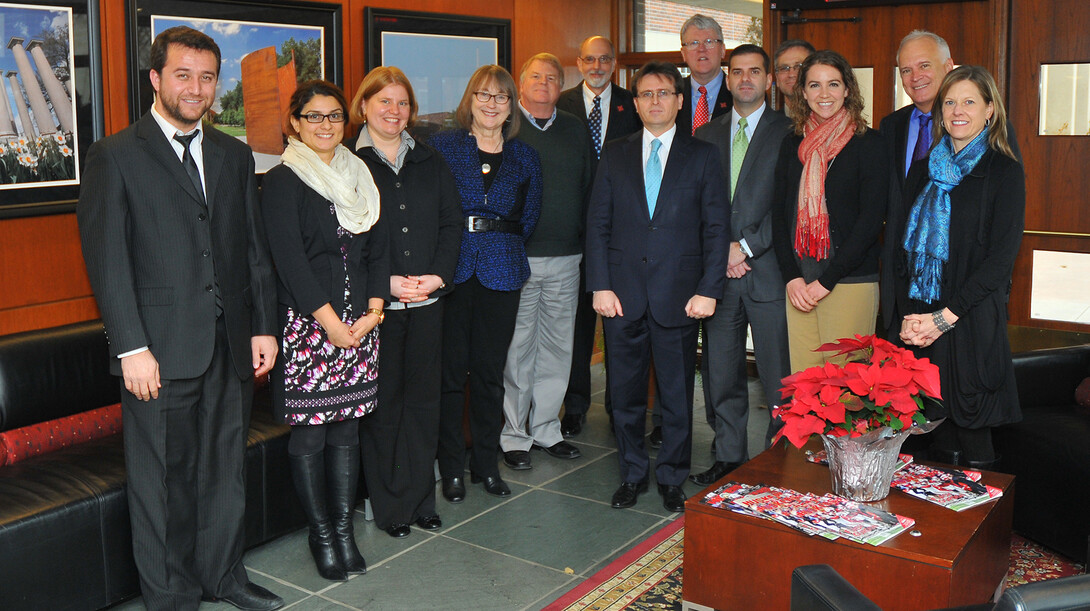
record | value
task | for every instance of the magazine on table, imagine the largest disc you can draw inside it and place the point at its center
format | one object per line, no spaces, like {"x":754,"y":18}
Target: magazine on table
{"x":952,"y":488}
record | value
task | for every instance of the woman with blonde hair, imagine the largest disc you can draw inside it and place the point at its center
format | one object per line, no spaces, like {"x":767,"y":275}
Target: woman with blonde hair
{"x":420,"y":203}
{"x":499,"y":186}
{"x":964,"y":215}
{"x":831,"y":189}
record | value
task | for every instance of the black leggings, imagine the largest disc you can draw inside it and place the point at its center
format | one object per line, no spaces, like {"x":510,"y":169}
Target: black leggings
{"x":309,"y":439}
{"x":974,"y":444}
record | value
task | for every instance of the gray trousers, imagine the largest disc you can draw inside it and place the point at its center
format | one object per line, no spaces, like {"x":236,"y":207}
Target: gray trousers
{"x":539,"y":358}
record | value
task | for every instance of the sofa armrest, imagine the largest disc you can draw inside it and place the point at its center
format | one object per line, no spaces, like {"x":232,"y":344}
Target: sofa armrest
{"x":1049,"y":377}
{"x":818,"y":587}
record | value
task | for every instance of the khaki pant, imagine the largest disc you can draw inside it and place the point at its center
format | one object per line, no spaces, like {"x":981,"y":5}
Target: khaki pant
{"x":848,"y":310}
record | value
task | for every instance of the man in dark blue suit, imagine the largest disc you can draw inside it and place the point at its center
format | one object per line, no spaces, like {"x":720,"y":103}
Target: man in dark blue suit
{"x":657,"y":231}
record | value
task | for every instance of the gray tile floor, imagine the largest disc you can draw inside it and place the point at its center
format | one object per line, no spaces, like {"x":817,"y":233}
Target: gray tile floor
{"x":522,"y":552}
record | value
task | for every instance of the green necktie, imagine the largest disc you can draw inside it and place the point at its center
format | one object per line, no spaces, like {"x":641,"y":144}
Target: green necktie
{"x":738,"y":153}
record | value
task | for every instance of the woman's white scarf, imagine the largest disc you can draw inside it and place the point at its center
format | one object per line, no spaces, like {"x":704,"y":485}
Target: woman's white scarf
{"x":345,"y":181}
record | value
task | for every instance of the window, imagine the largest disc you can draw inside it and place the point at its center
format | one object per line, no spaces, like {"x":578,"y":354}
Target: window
{"x":656,"y":24}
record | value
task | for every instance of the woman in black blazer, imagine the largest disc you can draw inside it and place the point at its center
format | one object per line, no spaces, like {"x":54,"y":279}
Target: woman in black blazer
{"x":421,"y":207}
{"x":957,"y":241}
{"x":830,"y":201}
{"x":321,"y":214}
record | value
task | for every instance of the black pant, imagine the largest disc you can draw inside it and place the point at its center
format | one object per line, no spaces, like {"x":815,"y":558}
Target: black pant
{"x":477,"y":327}
{"x":400,"y":438}
{"x":186,"y":487}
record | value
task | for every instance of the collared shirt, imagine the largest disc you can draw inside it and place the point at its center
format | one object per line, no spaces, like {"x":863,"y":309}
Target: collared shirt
{"x":407,"y":143}
{"x":751,"y":125}
{"x":533,"y":120}
{"x":667,"y":139}
{"x":913,"y":135}
{"x":196,"y":147}
{"x":713,"y":94}
{"x":588,"y":103}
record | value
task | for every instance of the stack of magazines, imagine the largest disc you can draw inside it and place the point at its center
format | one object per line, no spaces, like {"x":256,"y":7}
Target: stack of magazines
{"x":828,"y":516}
{"x":952,"y":488}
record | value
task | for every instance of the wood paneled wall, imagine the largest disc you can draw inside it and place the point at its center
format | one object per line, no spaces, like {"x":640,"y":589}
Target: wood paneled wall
{"x":43,"y":282}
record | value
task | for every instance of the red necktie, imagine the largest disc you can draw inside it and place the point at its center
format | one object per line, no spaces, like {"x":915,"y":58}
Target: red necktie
{"x":701,"y":115}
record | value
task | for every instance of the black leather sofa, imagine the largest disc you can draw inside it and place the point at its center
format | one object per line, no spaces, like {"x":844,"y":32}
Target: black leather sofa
{"x":65,"y":541}
{"x":1049,"y":450}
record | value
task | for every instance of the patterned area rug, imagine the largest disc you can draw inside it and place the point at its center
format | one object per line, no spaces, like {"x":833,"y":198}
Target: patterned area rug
{"x":648,"y":577}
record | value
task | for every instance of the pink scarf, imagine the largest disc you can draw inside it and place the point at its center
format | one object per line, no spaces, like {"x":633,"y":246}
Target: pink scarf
{"x":821,"y":144}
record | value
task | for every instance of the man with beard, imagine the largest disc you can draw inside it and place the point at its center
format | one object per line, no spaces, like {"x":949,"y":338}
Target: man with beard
{"x":171,"y":237}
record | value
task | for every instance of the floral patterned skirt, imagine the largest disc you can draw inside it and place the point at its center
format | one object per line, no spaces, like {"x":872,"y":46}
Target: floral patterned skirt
{"x":324,"y":383}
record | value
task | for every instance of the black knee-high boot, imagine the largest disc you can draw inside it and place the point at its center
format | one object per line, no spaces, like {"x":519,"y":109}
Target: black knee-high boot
{"x":309,"y":474}
{"x":343,"y":475}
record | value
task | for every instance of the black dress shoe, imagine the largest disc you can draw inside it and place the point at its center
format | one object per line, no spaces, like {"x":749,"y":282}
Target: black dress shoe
{"x":429,"y":522}
{"x":492,"y":484}
{"x":626,"y":494}
{"x":571,"y":425}
{"x":454,"y":489}
{"x":655,"y":438}
{"x":561,"y":449}
{"x":673,"y":499}
{"x":398,"y":531}
{"x":519,"y":460}
{"x":253,"y":597}
{"x":717,"y":472}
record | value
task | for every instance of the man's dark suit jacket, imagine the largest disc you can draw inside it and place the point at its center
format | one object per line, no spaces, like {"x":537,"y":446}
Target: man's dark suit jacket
{"x":658,"y":263}
{"x":149,"y":243}
{"x":623,"y":119}
{"x":722,"y":104}
{"x":751,"y":204}
{"x":894,"y":128}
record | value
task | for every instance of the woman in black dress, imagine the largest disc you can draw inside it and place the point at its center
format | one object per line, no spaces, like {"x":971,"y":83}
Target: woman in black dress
{"x":965,"y":206}
{"x":420,"y":204}
{"x":321,"y":210}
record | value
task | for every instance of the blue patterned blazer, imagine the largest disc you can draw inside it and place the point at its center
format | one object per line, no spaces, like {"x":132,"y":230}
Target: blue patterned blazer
{"x":498,"y":259}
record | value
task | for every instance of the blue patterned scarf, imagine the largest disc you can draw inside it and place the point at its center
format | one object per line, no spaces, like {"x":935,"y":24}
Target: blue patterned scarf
{"x":927,"y":235}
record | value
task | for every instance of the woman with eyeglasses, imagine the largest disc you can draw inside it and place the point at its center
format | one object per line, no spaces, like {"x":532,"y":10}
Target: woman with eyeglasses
{"x":321,"y":213}
{"x":420,"y":204}
{"x":499,"y":186}
{"x":832,"y":181}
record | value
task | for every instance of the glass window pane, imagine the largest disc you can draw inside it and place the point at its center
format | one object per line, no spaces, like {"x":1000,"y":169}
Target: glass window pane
{"x":657,"y":23}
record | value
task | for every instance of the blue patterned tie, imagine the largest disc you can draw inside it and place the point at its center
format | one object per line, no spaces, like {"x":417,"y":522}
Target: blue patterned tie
{"x":652,"y":177}
{"x":596,"y":126}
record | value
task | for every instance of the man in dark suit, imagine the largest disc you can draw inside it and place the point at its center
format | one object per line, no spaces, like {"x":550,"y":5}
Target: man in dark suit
{"x":923,"y":59}
{"x":656,"y":262}
{"x":609,"y":112}
{"x":749,"y":140}
{"x":705,"y":89}
{"x":171,"y":236}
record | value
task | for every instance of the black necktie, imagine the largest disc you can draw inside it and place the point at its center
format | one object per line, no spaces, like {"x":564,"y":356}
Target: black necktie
{"x":190,"y":164}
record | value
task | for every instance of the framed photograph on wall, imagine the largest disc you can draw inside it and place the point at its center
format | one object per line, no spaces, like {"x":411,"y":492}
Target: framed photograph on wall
{"x":267,"y":46}
{"x":51,"y":106}
{"x":438,"y":53}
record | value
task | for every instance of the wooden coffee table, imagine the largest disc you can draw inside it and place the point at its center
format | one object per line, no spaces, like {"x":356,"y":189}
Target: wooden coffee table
{"x":738,"y":562}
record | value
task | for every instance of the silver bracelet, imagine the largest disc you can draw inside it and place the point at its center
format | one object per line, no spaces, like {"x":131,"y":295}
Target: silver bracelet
{"x":940,"y":321}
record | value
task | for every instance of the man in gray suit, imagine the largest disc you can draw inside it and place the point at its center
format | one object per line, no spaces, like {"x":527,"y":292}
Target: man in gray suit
{"x":749,"y":140}
{"x":178,"y":262}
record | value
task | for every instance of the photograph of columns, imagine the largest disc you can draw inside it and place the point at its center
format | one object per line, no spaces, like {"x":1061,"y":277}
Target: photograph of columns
{"x":37,"y":111}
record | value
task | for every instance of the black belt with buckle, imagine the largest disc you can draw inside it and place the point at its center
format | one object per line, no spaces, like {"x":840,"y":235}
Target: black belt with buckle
{"x":480,"y":224}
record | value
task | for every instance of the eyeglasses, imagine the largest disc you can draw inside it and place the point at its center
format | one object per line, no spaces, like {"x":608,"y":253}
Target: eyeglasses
{"x":601,"y":59}
{"x":789,"y":68}
{"x":317,"y":117}
{"x":707,"y":42}
{"x":483,"y":97}
{"x":647,"y":96}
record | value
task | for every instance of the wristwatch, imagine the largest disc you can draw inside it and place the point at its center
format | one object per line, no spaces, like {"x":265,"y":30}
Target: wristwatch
{"x":377,"y":312}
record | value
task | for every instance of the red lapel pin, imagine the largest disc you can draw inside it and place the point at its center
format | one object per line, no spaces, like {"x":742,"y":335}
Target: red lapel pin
{"x":620,"y":108}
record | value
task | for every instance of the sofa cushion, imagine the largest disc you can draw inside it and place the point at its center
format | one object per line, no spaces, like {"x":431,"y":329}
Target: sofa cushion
{"x":35,"y":439}
{"x":1082,"y":393}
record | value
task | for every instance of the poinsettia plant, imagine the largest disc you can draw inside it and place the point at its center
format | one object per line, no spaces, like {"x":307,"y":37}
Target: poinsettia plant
{"x":887,"y":387}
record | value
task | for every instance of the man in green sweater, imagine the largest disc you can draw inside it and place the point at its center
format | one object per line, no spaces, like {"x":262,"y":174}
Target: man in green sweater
{"x":539,"y":358}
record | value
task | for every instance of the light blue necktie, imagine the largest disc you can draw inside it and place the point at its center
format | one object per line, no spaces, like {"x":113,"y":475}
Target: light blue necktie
{"x":652,"y":177}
